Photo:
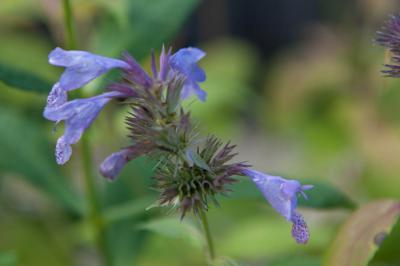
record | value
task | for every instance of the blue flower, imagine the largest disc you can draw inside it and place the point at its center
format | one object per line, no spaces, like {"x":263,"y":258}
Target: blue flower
{"x":282,"y":195}
{"x":113,"y":164}
{"x":185,"y":62}
{"x":57,"y":96}
{"x":78,"y":116}
{"x":82,"y":67}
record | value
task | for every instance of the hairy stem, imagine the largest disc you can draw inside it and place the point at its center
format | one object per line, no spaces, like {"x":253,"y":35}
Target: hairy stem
{"x":94,"y":209}
{"x":207,"y":234}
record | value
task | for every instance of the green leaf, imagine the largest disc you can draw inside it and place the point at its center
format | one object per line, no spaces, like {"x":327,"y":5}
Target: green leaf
{"x":25,"y":151}
{"x":23,"y":80}
{"x":8,"y":258}
{"x":193,"y":157}
{"x":225,"y":261}
{"x":388,"y":252}
{"x":142,"y":25}
{"x":359,"y":237}
{"x":154,"y":22}
{"x":127,"y":210}
{"x":172,"y":227}
{"x":325,"y":196}
{"x":291,"y":260}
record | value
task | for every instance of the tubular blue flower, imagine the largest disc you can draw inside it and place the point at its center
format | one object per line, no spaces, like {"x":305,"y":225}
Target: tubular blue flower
{"x":185,"y":62}
{"x":78,"y":116}
{"x":113,"y":164}
{"x":282,"y":195}
{"x":82,"y":67}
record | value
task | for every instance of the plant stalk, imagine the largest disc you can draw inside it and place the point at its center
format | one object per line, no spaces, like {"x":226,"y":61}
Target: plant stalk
{"x":69,"y":25}
{"x":94,"y":209}
{"x":207,"y":234}
{"x":94,"y":212}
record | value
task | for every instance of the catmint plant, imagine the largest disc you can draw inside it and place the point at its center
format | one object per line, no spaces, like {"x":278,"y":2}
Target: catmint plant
{"x":192,"y":169}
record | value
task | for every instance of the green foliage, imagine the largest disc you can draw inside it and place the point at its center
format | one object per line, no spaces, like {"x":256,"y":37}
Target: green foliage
{"x":23,"y":80}
{"x":172,"y":227}
{"x":142,"y":25}
{"x":25,"y":151}
{"x":388,"y":252}
{"x":325,"y":196}
{"x":296,"y":261}
{"x":8,"y":258}
{"x":127,"y":210}
{"x":360,"y":236}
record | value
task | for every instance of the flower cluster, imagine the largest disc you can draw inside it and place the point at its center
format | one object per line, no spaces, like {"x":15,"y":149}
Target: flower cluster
{"x":192,"y":170}
{"x":389,"y":37}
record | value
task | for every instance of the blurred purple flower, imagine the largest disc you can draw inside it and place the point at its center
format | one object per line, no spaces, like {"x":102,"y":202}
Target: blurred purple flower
{"x":78,"y":116}
{"x":113,"y":164}
{"x":282,"y":195}
{"x":82,"y":67}
{"x":389,"y":37}
{"x":185,"y":62}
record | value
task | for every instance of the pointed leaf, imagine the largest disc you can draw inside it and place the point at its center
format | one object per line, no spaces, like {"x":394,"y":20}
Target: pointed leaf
{"x":360,"y":236}
{"x":23,"y":80}
{"x":174,"y":228}
{"x":25,"y":151}
{"x":388,"y":252}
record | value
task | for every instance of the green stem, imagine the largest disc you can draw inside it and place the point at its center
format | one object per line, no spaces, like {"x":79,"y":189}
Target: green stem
{"x":69,"y":26}
{"x":94,"y":213}
{"x":207,"y":233}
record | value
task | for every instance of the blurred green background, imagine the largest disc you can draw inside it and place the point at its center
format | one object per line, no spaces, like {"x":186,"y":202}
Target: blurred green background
{"x":296,"y":84}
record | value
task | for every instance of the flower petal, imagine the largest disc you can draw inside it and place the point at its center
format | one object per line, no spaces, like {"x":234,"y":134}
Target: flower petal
{"x":275,"y":190}
{"x":113,"y":164}
{"x":190,"y":88}
{"x":82,"y":67}
{"x":63,"y":151}
{"x":300,"y":229}
{"x":57,"y":96}
{"x":282,"y":195}
{"x":185,"y":62}
{"x":78,"y":116}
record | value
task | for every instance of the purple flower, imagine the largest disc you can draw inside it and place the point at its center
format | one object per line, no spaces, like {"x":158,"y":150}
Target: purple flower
{"x":135,"y":73}
{"x":113,"y":164}
{"x":82,"y":67}
{"x":185,"y":62}
{"x":57,"y":96}
{"x":389,"y":37}
{"x":282,"y":195}
{"x":78,"y":116}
